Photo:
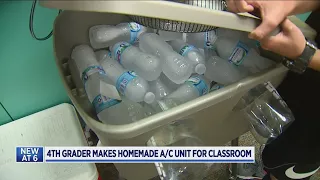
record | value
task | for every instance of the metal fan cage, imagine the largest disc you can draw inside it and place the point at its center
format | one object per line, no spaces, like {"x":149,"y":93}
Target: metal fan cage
{"x":179,"y":26}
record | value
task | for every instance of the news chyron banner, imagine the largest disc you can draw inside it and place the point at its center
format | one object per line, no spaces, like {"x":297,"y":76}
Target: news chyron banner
{"x":135,"y":154}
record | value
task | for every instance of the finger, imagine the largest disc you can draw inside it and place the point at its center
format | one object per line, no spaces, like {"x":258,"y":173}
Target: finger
{"x":268,"y":24}
{"x":273,"y":43}
{"x":290,"y":42}
{"x":243,"y":6}
{"x":287,"y":25}
{"x":232,"y":6}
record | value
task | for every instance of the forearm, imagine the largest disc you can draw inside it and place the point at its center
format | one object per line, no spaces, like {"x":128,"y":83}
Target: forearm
{"x":299,"y":7}
{"x":315,"y":61}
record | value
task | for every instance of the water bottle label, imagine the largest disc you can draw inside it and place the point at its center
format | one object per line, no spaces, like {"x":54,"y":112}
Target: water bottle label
{"x":239,"y":53}
{"x":198,"y":83}
{"x":101,"y":103}
{"x":119,"y":50}
{"x":185,"y":49}
{"x":91,"y":70}
{"x":124,"y":80}
{"x":134,"y":30}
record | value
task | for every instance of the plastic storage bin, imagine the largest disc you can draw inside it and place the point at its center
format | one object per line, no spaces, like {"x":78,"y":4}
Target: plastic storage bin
{"x":216,"y":122}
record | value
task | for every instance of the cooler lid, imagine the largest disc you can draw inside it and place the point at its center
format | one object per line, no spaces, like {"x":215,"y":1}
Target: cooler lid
{"x":56,"y":126}
{"x":173,"y":11}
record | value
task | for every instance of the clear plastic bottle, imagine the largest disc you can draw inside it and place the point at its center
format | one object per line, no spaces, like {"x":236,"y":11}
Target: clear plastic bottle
{"x":239,"y":53}
{"x":108,"y":110}
{"x":201,"y":40}
{"x":130,"y":57}
{"x":174,"y":66}
{"x":102,"y":54}
{"x":128,"y":83}
{"x":102,"y":36}
{"x":266,"y":111}
{"x":195,"y":86}
{"x":171,"y":85}
{"x":159,"y":89}
{"x":268,"y":114}
{"x":223,"y":72}
{"x":191,"y":53}
{"x":179,"y":133}
{"x":238,"y":35}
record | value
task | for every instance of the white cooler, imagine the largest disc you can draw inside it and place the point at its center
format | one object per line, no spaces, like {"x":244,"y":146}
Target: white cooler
{"x":56,"y":126}
{"x":216,"y":122}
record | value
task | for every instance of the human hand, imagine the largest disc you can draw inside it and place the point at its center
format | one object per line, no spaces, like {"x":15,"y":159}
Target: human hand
{"x":290,"y":42}
{"x":272,"y":13}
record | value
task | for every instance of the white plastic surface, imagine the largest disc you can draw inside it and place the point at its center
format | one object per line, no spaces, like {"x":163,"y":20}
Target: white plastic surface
{"x":163,"y":10}
{"x":56,"y":126}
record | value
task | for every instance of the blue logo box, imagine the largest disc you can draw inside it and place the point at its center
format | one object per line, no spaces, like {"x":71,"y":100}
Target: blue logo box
{"x":29,"y":154}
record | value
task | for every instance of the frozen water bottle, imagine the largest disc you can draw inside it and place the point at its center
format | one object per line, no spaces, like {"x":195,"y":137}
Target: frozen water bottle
{"x":145,"y":65}
{"x":195,"y":86}
{"x":238,"y":35}
{"x":159,"y":89}
{"x":87,"y":65}
{"x":161,"y":105}
{"x":223,"y":72}
{"x":239,"y":53}
{"x":102,"y":54}
{"x":127,"y":83}
{"x":191,"y":53}
{"x":200,"y":40}
{"x":171,"y":85}
{"x":102,"y":36}
{"x":108,"y":110}
{"x":174,"y":66}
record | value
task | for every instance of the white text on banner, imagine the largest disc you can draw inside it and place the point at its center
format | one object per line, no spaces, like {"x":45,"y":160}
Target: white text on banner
{"x":123,"y":154}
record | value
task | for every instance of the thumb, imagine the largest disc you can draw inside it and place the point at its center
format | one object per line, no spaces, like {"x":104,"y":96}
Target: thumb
{"x":274,"y":43}
{"x":290,"y":42}
{"x":265,"y":28}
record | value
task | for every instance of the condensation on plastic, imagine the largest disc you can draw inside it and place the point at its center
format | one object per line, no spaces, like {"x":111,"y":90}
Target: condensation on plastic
{"x":266,"y":112}
{"x":179,"y":133}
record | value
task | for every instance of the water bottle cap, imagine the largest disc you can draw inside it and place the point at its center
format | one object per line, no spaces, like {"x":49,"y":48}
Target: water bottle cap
{"x":149,"y":97}
{"x":200,"y":69}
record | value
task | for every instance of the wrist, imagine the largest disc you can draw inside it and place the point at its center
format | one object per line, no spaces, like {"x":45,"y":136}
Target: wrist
{"x":298,"y":51}
{"x":303,"y":61}
{"x":315,"y":61}
{"x":292,"y":7}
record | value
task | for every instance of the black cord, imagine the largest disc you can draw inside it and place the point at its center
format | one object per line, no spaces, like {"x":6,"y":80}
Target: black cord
{"x":33,"y":7}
